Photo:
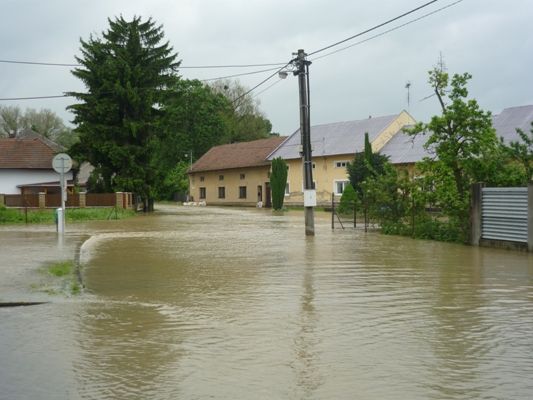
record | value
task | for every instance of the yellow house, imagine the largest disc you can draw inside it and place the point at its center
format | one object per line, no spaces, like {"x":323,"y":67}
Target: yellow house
{"x":234,"y":174}
{"x":333,"y":146}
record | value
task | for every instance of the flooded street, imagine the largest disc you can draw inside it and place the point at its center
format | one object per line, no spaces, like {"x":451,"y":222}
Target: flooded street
{"x":211,"y":303}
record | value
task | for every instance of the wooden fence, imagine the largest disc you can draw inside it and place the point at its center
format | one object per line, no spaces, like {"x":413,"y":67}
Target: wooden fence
{"x":78,"y":200}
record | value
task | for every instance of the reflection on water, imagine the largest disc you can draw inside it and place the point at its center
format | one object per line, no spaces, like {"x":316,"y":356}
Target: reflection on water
{"x":238,"y":304}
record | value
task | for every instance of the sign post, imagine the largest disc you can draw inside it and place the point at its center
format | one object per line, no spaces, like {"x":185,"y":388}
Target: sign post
{"x":62,"y":163}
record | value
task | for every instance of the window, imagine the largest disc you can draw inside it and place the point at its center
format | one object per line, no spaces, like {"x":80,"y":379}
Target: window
{"x":341,"y":164}
{"x":202,"y":178}
{"x":287,"y":189}
{"x":221,"y":192}
{"x":339,"y":187}
{"x":313,"y":186}
{"x":221,"y":177}
{"x":202,"y":193}
{"x":314,"y":165}
{"x":243,"y":176}
{"x":242,"y":192}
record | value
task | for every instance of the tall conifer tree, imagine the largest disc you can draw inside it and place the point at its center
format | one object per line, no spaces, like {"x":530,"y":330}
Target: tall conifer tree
{"x":278,"y":182}
{"x":126,"y":73}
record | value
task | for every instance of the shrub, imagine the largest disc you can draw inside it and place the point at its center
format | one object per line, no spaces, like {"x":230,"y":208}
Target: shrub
{"x":348,"y":200}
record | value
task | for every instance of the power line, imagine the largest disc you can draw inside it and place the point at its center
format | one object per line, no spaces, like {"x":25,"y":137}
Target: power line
{"x":262,"y":82}
{"x":39,"y":63}
{"x":50,"y":64}
{"x":242,"y":74}
{"x":35,"y":97}
{"x":230,"y":66}
{"x":389,"y":30}
{"x":363,"y":41}
{"x":267,"y":88}
{"x":373,"y":28}
{"x":268,"y":64}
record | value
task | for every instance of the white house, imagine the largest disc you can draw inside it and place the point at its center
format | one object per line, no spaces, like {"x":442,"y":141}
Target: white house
{"x":26,"y":165}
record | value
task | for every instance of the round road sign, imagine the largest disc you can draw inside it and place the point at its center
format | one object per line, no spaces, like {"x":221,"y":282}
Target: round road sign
{"x":62,"y":163}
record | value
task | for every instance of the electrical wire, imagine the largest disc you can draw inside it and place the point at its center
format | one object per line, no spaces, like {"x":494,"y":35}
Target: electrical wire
{"x":360,"y":34}
{"x":39,"y":63}
{"x":262,"y":82}
{"x":277,"y":70}
{"x":389,"y":30}
{"x":230,"y":66}
{"x":49,"y":64}
{"x":373,"y":28}
{"x":267,"y":88}
{"x":35,"y":97}
{"x":237,"y":75}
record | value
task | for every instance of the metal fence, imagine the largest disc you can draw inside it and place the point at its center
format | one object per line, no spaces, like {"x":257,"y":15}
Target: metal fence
{"x":504,"y":214}
{"x":347,"y":216}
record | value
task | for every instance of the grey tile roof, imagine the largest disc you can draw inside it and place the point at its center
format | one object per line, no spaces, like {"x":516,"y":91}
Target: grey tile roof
{"x":336,"y":138}
{"x":403,"y":149}
{"x":511,"y":118}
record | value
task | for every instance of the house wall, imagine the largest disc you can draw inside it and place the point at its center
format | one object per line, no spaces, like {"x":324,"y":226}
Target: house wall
{"x":402,"y":120}
{"x":11,"y":178}
{"x":231,"y":182}
{"x":326,"y":174}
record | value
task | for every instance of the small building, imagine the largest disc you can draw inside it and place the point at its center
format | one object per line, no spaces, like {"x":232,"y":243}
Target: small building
{"x":26,"y":165}
{"x":236,"y":174}
{"x":333,"y":146}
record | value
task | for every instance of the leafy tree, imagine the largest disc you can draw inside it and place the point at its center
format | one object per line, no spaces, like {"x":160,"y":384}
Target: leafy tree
{"x":194,"y":120}
{"x":127,"y":73}
{"x":44,"y":122}
{"x":365,"y":165}
{"x":521,"y":151}
{"x":175,"y":181}
{"x":463,"y":140}
{"x":10,"y":121}
{"x":278,"y":182}
{"x":245,"y":121}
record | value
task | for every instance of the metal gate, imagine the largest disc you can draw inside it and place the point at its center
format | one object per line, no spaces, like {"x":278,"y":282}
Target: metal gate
{"x":504,"y":214}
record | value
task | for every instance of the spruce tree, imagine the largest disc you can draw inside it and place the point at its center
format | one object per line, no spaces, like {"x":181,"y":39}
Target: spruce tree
{"x":126,"y":73}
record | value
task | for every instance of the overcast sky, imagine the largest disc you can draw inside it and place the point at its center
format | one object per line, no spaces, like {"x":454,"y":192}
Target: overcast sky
{"x":491,"y":39}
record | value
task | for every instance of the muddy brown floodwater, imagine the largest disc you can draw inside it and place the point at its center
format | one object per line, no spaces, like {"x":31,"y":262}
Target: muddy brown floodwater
{"x":210,"y":303}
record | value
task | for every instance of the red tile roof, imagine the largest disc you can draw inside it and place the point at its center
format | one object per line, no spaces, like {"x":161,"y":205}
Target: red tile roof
{"x":238,"y":155}
{"x":26,"y":153}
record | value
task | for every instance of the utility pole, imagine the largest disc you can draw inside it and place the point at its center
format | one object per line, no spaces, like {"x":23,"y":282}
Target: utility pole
{"x":302,"y":70}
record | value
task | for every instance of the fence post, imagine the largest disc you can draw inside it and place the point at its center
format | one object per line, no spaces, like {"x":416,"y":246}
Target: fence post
{"x":476,"y":199}
{"x":366,"y":214}
{"x":83,"y":199}
{"x":530,"y":216}
{"x":332,"y":210}
{"x":118,"y":199}
{"x":355,"y":214}
{"x":42,"y":199}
